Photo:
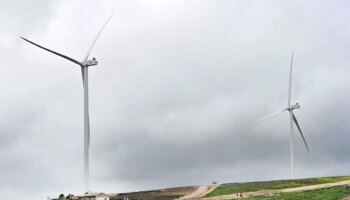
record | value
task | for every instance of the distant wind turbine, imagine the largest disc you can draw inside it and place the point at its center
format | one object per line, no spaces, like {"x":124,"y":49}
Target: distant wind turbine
{"x":84,"y":64}
{"x":290,"y":108}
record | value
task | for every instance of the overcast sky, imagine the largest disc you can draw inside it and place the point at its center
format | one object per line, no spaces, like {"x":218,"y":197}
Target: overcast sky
{"x":175,"y":95}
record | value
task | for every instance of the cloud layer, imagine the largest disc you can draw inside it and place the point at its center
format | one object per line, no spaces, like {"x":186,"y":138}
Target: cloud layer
{"x":175,"y":95}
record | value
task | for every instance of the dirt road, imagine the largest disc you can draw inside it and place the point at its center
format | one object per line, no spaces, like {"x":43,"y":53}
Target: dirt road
{"x":201,"y":191}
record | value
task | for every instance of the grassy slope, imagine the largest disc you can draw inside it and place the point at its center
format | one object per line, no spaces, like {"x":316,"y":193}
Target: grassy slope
{"x":333,"y":193}
{"x":232,"y":188}
{"x":163,"y":194}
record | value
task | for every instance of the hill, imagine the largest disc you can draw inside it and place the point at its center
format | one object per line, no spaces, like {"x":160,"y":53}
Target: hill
{"x":331,"y":188}
{"x":162,"y":194}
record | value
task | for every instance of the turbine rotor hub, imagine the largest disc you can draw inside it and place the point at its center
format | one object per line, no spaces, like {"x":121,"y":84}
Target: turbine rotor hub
{"x":292,"y":107}
{"x":89,"y":63}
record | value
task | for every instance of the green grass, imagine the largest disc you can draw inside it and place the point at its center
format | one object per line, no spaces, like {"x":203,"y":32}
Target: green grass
{"x":333,"y":193}
{"x":232,"y":188}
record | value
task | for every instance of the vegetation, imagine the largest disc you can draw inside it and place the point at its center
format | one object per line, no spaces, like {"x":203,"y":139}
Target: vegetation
{"x":232,"y":188}
{"x":164,"y":194}
{"x":333,"y":193}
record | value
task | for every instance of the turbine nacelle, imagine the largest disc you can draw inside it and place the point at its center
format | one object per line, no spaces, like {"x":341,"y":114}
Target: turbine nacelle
{"x":292,"y":107}
{"x":89,"y":63}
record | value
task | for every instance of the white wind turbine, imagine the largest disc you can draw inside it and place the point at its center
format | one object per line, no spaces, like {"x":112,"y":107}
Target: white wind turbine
{"x":290,"y":108}
{"x":84,"y":64}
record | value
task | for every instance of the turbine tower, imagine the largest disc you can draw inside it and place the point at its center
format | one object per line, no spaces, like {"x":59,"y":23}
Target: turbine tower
{"x":292,"y":117}
{"x":84,"y":65}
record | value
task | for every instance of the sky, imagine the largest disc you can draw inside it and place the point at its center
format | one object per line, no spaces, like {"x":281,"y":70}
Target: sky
{"x":174,"y":99}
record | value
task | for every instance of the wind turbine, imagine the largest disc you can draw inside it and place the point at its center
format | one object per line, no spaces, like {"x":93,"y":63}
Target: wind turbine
{"x":84,"y":65}
{"x":292,"y":117}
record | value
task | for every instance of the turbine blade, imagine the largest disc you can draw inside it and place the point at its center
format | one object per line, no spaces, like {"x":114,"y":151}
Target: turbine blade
{"x":88,"y":126}
{"x":290,"y":80}
{"x":61,"y":55}
{"x":82,"y":73}
{"x":296,"y":123}
{"x":93,"y":43}
{"x":88,"y":130}
{"x":271,"y":115}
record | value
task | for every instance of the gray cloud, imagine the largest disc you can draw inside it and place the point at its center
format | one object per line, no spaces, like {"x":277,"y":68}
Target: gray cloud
{"x":174,"y":98}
